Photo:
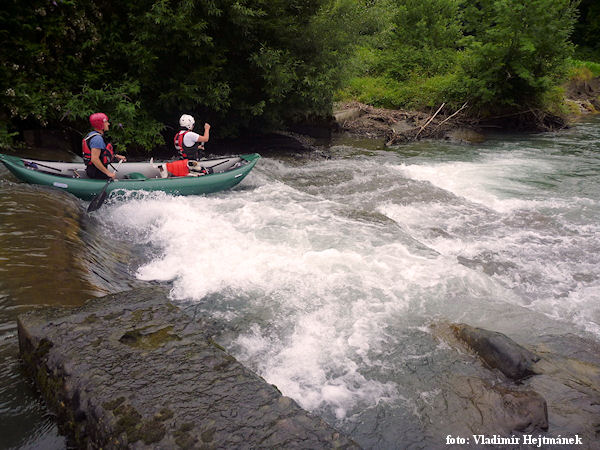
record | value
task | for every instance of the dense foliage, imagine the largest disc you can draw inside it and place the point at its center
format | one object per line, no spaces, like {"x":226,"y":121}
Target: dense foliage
{"x":239,"y":64}
{"x":496,"y":54}
{"x":518,"y":51}
{"x":258,"y":64}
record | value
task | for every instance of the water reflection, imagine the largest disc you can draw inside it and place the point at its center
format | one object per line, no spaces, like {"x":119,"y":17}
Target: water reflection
{"x":51,"y":254}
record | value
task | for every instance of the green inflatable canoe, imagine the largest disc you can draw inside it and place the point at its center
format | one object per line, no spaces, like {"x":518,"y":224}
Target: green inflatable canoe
{"x":219,"y":174}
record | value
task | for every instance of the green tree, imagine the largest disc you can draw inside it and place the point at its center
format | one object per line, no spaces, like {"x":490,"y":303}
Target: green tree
{"x":253,"y":64}
{"x":425,"y":38}
{"x":517,"y":52}
{"x":56,"y":70}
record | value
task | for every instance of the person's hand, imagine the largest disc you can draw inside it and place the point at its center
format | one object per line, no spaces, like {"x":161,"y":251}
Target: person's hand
{"x":121,"y":157}
{"x":112,"y":175}
{"x":206,"y":126}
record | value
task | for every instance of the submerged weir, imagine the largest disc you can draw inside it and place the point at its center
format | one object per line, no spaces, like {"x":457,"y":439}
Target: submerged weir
{"x":131,"y":370}
{"x":332,"y":278}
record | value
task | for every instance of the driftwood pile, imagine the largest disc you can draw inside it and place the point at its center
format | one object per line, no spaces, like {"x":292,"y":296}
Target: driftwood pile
{"x":399,"y":126}
{"x":443,"y":122}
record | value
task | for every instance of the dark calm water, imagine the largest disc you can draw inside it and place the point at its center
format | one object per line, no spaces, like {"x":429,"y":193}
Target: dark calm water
{"x":327,"y":273}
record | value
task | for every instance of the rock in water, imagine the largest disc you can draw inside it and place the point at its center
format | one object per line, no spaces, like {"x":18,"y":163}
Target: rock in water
{"x":494,"y":408}
{"x":133,"y":370}
{"x":498,"y":351}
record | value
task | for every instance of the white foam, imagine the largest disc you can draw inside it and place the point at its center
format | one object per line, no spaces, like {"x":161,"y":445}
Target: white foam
{"x":328,"y":279}
{"x":494,"y":181}
{"x":318,"y":287}
{"x":535,"y":240}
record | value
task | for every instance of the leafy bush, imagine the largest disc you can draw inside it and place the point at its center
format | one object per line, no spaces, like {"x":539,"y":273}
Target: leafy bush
{"x":498,"y":54}
{"x":424,"y":40}
{"x":416,"y":93}
{"x":7,"y":137}
{"x":519,"y":53}
{"x":376,"y":91}
{"x":130,"y":125}
{"x":585,"y":70}
{"x":587,"y":31}
{"x":239,"y":65}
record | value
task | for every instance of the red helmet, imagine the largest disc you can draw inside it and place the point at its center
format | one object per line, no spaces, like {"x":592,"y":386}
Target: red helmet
{"x":97,"y":120}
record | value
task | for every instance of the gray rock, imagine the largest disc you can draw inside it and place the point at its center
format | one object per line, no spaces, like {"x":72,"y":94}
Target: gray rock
{"x":492,"y":409}
{"x":131,"y":370}
{"x":347,"y":114}
{"x":566,"y":383}
{"x":569,"y":379}
{"x":402,"y":126}
{"x":498,"y":351}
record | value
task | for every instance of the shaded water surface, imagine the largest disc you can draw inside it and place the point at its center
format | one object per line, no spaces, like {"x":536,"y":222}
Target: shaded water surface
{"x":51,"y":254}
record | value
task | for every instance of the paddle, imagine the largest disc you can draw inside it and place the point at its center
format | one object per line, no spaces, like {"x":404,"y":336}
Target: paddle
{"x":36,"y":166}
{"x":211,"y":169}
{"x":223,"y":162}
{"x":99,"y":199}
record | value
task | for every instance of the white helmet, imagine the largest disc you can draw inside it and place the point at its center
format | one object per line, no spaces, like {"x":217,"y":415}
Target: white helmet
{"x":186,"y":121}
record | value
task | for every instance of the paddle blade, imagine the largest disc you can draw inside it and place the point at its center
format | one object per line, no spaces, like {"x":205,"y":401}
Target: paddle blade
{"x":98,"y":199}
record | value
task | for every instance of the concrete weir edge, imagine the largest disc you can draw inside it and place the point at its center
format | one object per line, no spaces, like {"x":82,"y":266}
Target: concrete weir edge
{"x":132,"y":370}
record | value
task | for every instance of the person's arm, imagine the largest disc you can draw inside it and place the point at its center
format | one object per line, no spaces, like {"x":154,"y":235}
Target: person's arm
{"x":109,"y":146}
{"x":96,"y":162}
{"x":204,"y":137}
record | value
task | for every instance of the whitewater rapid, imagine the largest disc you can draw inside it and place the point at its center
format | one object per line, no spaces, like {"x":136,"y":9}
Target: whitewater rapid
{"x":328,"y":273}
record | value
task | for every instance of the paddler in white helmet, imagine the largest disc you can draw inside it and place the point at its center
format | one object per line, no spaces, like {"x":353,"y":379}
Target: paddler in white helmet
{"x":188,"y":143}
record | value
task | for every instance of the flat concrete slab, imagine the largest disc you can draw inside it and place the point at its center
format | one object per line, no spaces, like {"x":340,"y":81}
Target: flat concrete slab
{"x":132,"y":370}
{"x":347,"y":114}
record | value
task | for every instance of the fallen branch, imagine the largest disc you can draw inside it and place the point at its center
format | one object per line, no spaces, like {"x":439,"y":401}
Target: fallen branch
{"x":451,"y":116}
{"x":429,"y":121}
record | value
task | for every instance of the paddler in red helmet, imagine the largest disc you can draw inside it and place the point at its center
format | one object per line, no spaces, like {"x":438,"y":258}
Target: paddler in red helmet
{"x":97,"y":154}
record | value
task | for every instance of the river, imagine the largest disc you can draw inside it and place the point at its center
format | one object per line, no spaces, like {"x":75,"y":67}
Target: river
{"x":324,"y":276}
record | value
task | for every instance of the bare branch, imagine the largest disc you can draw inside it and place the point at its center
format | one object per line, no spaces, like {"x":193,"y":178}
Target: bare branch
{"x":429,"y":121}
{"x":451,"y":116}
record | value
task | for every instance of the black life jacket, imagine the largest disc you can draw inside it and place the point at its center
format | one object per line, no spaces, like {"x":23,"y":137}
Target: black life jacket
{"x":106,"y":155}
{"x":183,"y":150}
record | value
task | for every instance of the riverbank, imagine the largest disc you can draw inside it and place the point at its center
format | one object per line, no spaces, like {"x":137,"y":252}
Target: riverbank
{"x":582,"y":97}
{"x":358,"y":120}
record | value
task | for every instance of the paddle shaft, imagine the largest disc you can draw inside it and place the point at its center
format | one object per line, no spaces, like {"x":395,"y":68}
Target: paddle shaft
{"x":212,"y":167}
{"x":35,"y":164}
{"x":98,"y":200}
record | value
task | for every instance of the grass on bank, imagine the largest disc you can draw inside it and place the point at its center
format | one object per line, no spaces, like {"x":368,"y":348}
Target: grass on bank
{"x":383,"y":92}
{"x":423,"y":93}
{"x":584,"y":70}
